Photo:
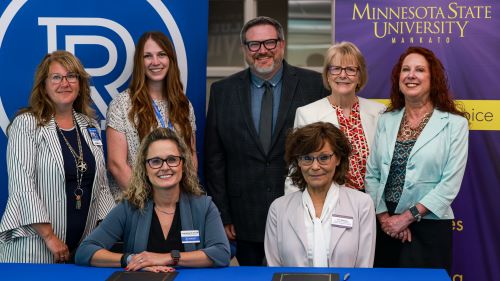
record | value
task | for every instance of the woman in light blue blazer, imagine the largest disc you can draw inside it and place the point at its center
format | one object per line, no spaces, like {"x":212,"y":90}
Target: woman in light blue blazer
{"x":416,"y":168}
{"x":345,"y":75}
{"x":165,"y":219}
{"x":58,"y":189}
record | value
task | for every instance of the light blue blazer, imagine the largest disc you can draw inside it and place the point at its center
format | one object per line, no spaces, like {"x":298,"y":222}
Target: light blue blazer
{"x":132,"y":226}
{"x":435,"y":167}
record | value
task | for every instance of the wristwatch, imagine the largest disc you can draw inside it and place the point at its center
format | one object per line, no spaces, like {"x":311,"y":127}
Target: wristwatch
{"x":176,"y":256}
{"x":126,"y":259}
{"x":415,"y":213}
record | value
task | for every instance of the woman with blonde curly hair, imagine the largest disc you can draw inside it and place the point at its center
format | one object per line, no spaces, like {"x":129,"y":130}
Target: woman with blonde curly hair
{"x":58,"y":189}
{"x":155,"y":98}
{"x":165,"y":219}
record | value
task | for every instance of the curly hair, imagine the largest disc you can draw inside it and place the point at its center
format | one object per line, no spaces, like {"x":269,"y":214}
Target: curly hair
{"x":440,"y":94}
{"x":40,"y":104}
{"x":142,"y":113}
{"x":140,"y":189}
{"x":311,"y":138}
{"x":347,"y":51}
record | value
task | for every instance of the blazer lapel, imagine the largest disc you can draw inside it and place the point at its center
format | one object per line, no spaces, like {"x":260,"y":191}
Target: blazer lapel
{"x":327,"y":113}
{"x":296,"y":220}
{"x":367,"y":121}
{"x":143,"y":227}
{"x":49,"y":132}
{"x":246,"y":105}
{"x":436,"y":123}
{"x":392,"y":127}
{"x":289,"y":85}
{"x":344,"y":209}
{"x":186,"y":219}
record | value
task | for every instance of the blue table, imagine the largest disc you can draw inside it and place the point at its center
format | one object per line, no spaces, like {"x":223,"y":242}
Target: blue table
{"x":53,"y":272}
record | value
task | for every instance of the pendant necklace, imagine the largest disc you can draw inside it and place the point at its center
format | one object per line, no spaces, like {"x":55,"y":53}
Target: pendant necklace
{"x":81,"y":165}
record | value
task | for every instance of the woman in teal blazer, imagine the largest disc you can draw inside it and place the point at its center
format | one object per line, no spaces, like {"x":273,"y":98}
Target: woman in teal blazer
{"x":417,"y":164}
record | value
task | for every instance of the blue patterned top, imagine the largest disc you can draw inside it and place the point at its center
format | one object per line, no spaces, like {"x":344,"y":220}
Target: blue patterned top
{"x":397,"y":173}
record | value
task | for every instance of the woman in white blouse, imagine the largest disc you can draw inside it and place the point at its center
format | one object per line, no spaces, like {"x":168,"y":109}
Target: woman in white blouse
{"x":326,"y":224}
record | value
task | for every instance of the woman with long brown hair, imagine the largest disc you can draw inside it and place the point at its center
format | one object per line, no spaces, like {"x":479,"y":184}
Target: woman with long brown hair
{"x":155,"y":98}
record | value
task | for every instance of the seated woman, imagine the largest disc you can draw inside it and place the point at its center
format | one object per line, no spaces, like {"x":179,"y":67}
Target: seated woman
{"x":326,"y":224}
{"x":165,"y":220}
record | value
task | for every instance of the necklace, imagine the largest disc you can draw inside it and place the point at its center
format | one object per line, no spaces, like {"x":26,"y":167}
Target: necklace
{"x":81,"y":166}
{"x":409,"y":133}
{"x":165,"y":212}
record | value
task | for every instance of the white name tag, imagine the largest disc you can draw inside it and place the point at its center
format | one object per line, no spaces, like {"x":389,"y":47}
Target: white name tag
{"x":190,"y":236}
{"x":342,"y":221}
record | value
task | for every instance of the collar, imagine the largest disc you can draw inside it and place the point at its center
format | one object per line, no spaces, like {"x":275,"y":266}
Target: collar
{"x":259,"y":82}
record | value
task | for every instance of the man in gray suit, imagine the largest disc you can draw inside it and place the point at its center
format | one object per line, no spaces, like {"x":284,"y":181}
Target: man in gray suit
{"x":249,"y":116}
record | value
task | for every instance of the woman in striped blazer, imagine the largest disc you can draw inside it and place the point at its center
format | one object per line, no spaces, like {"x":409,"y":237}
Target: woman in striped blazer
{"x":58,"y":188}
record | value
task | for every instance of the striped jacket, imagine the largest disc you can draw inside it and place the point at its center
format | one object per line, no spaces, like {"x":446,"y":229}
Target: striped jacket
{"x":37,"y":189}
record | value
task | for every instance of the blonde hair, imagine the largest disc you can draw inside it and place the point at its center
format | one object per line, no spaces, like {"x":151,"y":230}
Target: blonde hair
{"x":140,"y":189}
{"x":346,"y":50}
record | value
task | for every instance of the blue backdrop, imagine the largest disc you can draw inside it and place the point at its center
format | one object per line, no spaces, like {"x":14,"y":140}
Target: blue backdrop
{"x":102,"y":33}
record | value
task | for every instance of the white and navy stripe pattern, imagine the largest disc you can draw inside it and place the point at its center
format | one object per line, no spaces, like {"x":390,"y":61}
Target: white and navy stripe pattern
{"x":37,"y":189}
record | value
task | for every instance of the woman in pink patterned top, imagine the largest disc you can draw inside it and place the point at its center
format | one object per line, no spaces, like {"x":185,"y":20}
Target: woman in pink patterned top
{"x":345,"y":74}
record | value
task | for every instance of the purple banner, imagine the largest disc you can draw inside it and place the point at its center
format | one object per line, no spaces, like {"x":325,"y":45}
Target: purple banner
{"x":465,"y":36}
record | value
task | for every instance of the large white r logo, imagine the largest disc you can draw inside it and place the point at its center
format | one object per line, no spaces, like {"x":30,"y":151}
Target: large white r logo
{"x":72,"y":40}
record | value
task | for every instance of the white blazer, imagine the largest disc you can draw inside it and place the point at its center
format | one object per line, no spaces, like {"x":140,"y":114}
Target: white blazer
{"x":285,"y":242}
{"x":322,"y":110}
{"x":37,"y":193}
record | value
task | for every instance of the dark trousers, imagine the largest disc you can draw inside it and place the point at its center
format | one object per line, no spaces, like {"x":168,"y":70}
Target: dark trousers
{"x":430,"y":247}
{"x":250,"y":253}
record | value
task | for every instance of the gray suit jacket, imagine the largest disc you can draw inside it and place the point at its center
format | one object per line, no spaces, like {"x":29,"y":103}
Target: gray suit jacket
{"x":286,"y":239}
{"x":37,"y":189}
{"x":240,"y":176}
{"x":132,"y":226}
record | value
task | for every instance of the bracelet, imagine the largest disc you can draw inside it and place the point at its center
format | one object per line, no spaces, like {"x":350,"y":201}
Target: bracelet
{"x":123,"y":260}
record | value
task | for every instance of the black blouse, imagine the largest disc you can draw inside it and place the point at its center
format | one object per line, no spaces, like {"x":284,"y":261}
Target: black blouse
{"x":157,"y":242}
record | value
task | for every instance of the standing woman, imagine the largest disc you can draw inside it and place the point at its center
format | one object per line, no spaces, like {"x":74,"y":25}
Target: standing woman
{"x":417,"y":165}
{"x":345,"y":74}
{"x":155,"y":98}
{"x":58,"y":189}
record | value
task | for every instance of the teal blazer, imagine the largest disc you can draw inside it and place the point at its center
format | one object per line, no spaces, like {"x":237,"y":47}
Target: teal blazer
{"x":435,"y":167}
{"x":130,"y":225}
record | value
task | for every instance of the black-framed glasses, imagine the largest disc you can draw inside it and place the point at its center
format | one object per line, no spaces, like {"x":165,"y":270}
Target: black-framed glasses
{"x":336,"y":70}
{"x":157,"y":162}
{"x":56,"y":78}
{"x":323,"y":159}
{"x":269,"y":44}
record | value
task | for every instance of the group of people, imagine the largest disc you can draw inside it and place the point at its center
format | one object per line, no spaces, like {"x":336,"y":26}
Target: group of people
{"x":301,"y":170}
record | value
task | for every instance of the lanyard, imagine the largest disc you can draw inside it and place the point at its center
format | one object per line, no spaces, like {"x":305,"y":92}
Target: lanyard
{"x":162,"y":122}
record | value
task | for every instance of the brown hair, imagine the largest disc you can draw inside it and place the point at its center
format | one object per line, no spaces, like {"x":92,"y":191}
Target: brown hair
{"x":142,"y":114}
{"x":40,"y":104}
{"x":140,"y":189}
{"x":346,"y":50}
{"x":312,"y":138}
{"x":440,"y":94}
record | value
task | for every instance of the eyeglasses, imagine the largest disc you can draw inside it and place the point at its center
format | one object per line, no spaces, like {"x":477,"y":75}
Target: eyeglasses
{"x":269,"y":44}
{"x":57,"y":78}
{"x":157,"y":162}
{"x":336,"y":70}
{"x":307,"y":160}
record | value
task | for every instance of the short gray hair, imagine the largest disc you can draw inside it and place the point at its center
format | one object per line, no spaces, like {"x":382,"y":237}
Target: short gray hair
{"x":262,"y":21}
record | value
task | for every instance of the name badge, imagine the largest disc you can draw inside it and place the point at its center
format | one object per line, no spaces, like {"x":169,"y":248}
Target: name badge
{"x":342,"y":221}
{"x":94,"y":135}
{"x":190,"y":236}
